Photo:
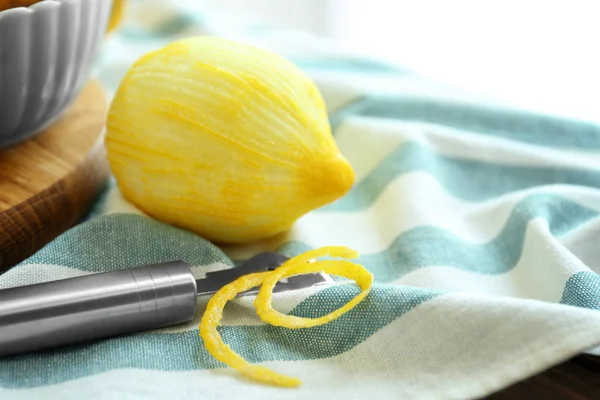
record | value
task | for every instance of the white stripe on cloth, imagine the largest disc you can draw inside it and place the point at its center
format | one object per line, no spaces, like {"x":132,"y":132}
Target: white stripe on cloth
{"x":367,"y":141}
{"x":584,"y":243}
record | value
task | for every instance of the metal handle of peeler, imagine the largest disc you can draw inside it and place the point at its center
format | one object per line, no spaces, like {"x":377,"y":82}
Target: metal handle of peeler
{"x":74,"y":310}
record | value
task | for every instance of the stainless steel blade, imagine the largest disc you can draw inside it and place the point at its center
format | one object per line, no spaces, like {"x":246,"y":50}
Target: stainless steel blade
{"x":259,"y":263}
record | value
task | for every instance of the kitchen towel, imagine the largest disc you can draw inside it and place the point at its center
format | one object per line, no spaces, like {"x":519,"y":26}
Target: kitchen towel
{"x":479,"y":222}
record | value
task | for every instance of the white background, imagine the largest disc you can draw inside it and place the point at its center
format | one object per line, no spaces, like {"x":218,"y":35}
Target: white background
{"x":533,"y":53}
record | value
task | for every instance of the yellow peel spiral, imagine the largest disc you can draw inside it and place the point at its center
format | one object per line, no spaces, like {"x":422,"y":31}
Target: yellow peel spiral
{"x":266,"y":280}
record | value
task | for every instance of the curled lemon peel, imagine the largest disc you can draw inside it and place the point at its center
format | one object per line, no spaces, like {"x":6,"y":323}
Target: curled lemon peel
{"x":358,"y":273}
{"x":221,"y":351}
{"x":295,"y":266}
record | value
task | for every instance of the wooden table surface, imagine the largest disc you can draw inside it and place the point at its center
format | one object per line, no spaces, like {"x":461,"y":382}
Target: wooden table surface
{"x":576,"y":379}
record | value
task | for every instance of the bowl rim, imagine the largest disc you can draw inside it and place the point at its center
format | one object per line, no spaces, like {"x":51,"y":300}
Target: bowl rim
{"x":40,"y":6}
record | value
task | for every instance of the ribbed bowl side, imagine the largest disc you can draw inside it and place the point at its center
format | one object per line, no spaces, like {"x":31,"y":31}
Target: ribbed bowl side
{"x":47,"y":52}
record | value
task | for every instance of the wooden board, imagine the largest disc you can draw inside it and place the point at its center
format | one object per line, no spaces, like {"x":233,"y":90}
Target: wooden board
{"x":49,"y":182}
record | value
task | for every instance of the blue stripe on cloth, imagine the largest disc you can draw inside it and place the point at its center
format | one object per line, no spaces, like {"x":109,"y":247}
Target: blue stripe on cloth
{"x":516,"y":125}
{"x":348,"y":64}
{"x":118,"y":241}
{"x":465,"y":179}
{"x":583,"y":290}
{"x":163,"y":32}
{"x":429,"y":245}
{"x":184,"y":350}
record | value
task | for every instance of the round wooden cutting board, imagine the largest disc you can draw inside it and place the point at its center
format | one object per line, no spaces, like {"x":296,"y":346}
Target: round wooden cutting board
{"x":49,"y":182}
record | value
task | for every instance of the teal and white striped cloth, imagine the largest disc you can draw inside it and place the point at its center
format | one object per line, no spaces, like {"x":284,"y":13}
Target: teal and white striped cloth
{"x":479,"y":222}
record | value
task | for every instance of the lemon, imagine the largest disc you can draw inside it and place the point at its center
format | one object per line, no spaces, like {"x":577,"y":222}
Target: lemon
{"x":224,"y":139}
{"x":117,"y":14}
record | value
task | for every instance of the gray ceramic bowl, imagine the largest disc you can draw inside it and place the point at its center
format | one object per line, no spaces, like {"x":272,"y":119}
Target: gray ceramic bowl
{"x":47,"y":52}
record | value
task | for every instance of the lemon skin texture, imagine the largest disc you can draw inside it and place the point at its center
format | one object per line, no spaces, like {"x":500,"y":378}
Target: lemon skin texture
{"x":224,"y":139}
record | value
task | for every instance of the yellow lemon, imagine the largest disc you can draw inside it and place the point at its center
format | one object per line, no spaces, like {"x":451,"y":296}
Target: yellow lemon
{"x":116,"y":15}
{"x":224,"y":139}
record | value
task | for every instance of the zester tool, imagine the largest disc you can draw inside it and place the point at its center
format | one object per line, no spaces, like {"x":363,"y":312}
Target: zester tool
{"x":76,"y":310}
